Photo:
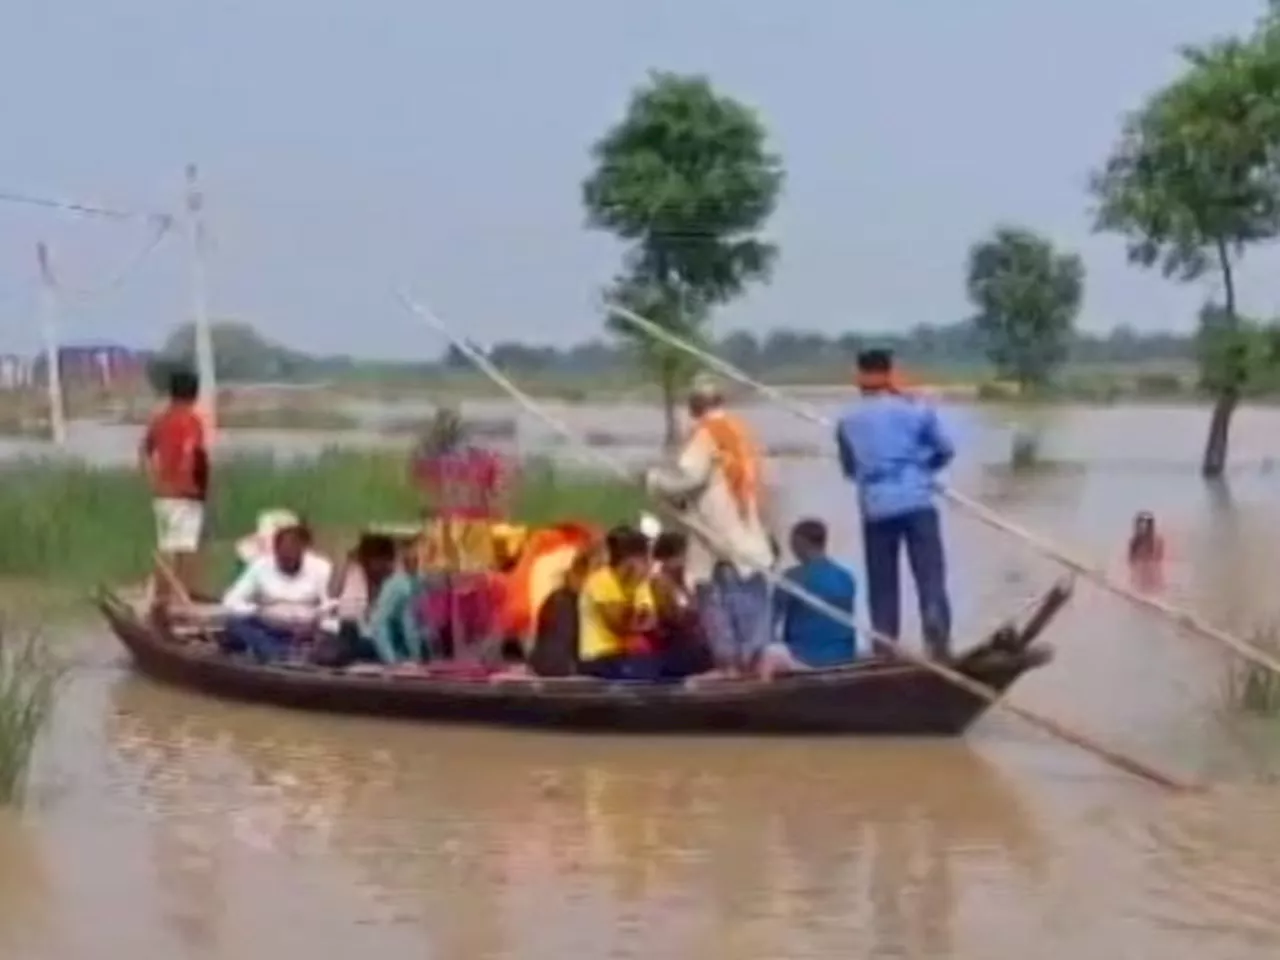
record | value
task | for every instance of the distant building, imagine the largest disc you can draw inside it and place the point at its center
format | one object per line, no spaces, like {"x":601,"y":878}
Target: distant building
{"x":103,"y":365}
{"x":15,"y":371}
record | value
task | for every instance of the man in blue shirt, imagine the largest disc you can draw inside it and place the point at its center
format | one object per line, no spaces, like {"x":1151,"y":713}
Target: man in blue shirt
{"x":892,"y":446}
{"x":811,"y":636}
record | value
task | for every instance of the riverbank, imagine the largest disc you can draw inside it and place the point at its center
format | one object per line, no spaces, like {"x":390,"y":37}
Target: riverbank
{"x":73,"y":526}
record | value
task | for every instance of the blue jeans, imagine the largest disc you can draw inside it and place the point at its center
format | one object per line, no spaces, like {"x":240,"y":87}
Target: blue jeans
{"x":266,"y":642}
{"x":921,"y":532}
{"x":736,"y":615}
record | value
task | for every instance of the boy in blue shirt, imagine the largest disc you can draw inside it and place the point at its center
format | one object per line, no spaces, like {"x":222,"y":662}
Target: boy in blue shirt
{"x":812,"y":637}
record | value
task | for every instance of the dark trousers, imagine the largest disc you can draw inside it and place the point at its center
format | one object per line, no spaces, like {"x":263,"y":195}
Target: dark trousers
{"x":921,"y":532}
{"x":266,"y":642}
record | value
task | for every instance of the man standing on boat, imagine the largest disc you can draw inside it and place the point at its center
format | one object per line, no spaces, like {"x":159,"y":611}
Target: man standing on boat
{"x":174,"y":458}
{"x":892,"y":445}
{"x":716,"y":480}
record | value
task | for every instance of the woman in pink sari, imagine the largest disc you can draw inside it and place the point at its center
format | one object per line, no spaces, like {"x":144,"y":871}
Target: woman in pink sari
{"x":465,"y":488}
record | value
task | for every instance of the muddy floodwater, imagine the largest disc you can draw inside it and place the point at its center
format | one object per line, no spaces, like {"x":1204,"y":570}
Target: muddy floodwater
{"x":163,"y":825}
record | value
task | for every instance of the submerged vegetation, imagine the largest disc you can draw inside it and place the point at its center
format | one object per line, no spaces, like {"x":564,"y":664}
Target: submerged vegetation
{"x":1252,"y":688}
{"x":78,"y":525}
{"x":29,"y":678}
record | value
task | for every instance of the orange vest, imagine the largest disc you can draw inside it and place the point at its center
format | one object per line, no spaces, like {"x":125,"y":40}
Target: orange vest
{"x":737,"y":454}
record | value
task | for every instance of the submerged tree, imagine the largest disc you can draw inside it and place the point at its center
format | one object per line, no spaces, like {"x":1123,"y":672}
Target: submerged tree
{"x":1027,"y":296}
{"x":687,"y":182}
{"x":1193,"y":184}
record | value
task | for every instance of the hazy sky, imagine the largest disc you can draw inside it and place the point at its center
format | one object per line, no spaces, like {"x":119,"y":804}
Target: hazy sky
{"x":350,"y":146}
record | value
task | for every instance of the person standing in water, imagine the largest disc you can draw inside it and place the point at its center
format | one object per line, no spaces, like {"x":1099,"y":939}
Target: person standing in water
{"x":1146,"y":554}
{"x":892,"y":446}
{"x":716,"y":480}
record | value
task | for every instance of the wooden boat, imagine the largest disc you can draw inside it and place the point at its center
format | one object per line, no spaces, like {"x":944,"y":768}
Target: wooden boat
{"x":880,"y":696}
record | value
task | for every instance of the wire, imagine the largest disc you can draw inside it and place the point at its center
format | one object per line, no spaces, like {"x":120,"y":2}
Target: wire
{"x":164,"y":225}
{"x":84,"y":209}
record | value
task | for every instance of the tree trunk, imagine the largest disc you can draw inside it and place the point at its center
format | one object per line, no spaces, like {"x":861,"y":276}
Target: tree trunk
{"x":1215,"y":449}
{"x":1228,"y":393}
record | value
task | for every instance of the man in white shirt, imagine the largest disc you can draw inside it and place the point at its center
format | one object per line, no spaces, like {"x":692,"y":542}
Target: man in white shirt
{"x":279,"y":599}
{"x":717,"y":480}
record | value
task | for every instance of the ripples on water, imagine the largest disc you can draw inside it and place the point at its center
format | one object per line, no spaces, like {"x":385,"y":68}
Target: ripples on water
{"x":165,"y":825}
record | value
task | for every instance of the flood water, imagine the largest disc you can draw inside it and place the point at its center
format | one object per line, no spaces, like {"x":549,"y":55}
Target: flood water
{"x":164,"y":825}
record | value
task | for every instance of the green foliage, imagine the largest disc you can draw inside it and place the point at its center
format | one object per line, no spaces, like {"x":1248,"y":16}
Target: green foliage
{"x":1237,"y":353}
{"x":80,"y":525}
{"x":1193,"y":181}
{"x":30,"y":675}
{"x":685,"y":179}
{"x":1250,"y":687}
{"x":1027,"y":296}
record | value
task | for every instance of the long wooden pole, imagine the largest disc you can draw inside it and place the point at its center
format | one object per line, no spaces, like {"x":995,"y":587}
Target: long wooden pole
{"x":203,"y":336}
{"x":1183,"y":618}
{"x":52,"y":352}
{"x":966,"y":683}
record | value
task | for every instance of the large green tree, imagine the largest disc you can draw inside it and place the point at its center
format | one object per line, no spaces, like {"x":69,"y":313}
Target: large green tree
{"x":1193,"y":184}
{"x":686,"y":180}
{"x":1027,"y":297}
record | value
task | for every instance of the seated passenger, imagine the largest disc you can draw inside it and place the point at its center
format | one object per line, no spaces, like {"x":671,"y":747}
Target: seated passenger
{"x":616,"y":609}
{"x":809,"y":637}
{"x":680,"y":640}
{"x":279,"y":600}
{"x":555,"y":644}
{"x":377,"y":605}
{"x":259,"y":543}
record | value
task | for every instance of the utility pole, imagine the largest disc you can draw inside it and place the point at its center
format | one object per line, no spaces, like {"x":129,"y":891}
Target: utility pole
{"x":52,"y":354}
{"x":198,"y":238}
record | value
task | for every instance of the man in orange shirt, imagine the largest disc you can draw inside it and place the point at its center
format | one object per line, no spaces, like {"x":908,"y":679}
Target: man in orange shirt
{"x":175,"y":459}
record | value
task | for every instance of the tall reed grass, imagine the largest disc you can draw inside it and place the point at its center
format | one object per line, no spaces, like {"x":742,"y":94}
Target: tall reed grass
{"x":30,"y":675}
{"x":79,"y":525}
{"x":1250,"y":687}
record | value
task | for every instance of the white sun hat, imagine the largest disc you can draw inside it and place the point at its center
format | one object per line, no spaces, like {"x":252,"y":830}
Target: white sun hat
{"x":650,"y":526}
{"x":260,"y":542}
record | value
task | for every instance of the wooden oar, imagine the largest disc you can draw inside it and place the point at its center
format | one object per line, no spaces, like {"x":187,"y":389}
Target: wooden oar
{"x":1183,"y":618}
{"x":173,"y":580}
{"x":964,"y":682}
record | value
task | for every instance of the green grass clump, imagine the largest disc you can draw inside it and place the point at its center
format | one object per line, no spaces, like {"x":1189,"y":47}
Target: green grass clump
{"x":29,"y":678}
{"x":78,"y":525}
{"x":1253,"y":688}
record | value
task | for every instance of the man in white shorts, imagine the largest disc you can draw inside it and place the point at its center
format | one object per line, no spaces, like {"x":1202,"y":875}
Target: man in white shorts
{"x":175,"y":459}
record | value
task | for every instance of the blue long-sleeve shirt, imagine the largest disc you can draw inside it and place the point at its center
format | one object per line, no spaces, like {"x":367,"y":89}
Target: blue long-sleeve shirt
{"x":811,"y":635}
{"x":891,"y":446}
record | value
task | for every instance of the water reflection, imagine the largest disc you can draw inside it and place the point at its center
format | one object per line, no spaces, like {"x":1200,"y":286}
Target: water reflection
{"x":25,"y":894}
{"x":500,"y":845}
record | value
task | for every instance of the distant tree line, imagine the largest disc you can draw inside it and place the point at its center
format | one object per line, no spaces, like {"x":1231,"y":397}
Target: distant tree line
{"x":243,"y":355}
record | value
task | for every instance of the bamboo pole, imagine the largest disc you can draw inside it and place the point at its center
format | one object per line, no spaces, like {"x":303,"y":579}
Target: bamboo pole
{"x":968,"y":684}
{"x":203,"y":336}
{"x":1185,"y":619}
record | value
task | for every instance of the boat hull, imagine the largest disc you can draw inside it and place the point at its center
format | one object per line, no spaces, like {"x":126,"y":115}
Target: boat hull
{"x":877,"y":697}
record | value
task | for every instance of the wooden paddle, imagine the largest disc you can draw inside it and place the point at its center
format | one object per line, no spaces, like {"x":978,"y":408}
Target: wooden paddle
{"x":964,"y":682}
{"x":1183,"y":618}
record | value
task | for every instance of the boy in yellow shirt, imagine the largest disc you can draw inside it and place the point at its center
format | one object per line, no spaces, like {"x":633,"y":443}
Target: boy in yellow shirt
{"x":616,"y":610}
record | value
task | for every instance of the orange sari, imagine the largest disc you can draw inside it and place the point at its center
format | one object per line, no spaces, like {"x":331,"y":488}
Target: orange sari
{"x":546,"y":557}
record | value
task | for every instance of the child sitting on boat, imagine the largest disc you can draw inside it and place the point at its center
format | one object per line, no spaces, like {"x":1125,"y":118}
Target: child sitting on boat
{"x":377,"y":606}
{"x":807,"y":637}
